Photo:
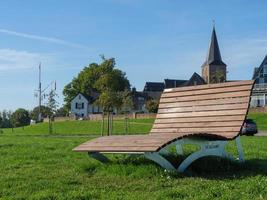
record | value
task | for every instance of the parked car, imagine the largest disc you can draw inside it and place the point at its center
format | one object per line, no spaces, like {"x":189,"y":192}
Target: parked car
{"x":249,"y":127}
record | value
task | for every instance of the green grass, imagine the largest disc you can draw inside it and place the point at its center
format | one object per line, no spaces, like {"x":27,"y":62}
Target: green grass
{"x":137,"y":126}
{"x":260,"y":119}
{"x":34,"y":167}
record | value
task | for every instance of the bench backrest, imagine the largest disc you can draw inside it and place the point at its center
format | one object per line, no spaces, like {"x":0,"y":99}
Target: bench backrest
{"x":214,"y":110}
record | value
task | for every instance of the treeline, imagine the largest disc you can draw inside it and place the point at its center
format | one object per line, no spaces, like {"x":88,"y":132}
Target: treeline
{"x":23,"y":117}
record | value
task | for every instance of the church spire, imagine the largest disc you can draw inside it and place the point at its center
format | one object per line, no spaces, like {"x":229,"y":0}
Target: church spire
{"x":214,"y":55}
{"x":214,"y":69}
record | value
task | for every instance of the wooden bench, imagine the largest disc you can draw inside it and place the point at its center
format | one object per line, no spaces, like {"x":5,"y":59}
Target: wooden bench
{"x":205,"y":115}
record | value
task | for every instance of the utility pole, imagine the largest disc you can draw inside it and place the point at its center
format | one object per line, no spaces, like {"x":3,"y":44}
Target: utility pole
{"x":40,"y":95}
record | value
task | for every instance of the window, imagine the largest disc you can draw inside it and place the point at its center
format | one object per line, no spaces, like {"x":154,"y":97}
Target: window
{"x":265,"y":69}
{"x":79,"y":106}
{"x":141,"y":99}
{"x":261,"y":80}
{"x":80,"y":96}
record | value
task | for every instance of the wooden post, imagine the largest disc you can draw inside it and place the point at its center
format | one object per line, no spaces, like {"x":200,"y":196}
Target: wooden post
{"x":111,"y":123}
{"x":108,"y":124}
{"x":103,"y":124}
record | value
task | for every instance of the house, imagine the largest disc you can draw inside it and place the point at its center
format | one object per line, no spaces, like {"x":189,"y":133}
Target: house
{"x":259,"y":93}
{"x":82,"y":106}
{"x":139,"y":100}
{"x":153,"y":90}
{"x":214,"y":69}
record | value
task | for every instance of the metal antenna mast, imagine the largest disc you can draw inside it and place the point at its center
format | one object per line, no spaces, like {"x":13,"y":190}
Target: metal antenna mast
{"x":40,"y":94}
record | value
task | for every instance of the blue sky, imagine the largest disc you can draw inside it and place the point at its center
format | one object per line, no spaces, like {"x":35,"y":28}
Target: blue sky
{"x":150,"y":39}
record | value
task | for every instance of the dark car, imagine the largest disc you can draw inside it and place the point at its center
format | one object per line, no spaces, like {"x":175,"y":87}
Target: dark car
{"x":249,"y":127}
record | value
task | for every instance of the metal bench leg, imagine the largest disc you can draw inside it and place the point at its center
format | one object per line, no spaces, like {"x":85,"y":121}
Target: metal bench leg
{"x":239,"y":149}
{"x":98,"y":156}
{"x":157,"y":158}
{"x":179,"y":149}
{"x":208,"y":148}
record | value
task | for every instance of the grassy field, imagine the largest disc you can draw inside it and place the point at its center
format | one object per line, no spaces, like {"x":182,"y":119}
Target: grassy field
{"x":137,"y":126}
{"x":36,"y":165}
{"x":260,"y":119}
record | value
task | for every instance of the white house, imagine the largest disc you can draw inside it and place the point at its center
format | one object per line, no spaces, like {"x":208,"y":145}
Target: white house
{"x":82,"y":106}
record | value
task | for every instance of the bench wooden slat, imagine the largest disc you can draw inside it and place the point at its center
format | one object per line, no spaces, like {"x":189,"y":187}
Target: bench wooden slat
{"x":205,"y":102}
{"x":210,"y":86}
{"x":197,"y":124}
{"x":195,"y":130}
{"x":206,"y":97}
{"x":205,"y":91}
{"x":217,"y":135}
{"x":115,"y":149}
{"x":202,"y":114}
{"x":200,"y":119}
{"x":203,"y":108}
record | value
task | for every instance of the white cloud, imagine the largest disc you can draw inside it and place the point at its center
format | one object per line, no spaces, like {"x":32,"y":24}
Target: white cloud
{"x":44,"y":39}
{"x":11,"y":59}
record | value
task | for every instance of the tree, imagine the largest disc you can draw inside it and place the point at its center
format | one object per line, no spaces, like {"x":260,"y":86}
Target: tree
{"x":45,"y":111}
{"x":96,"y":78}
{"x":152,"y":106}
{"x":104,"y":79}
{"x":217,"y":77}
{"x":52,"y":105}
{"x":62,"y":112}
{"x":6,"y":119}
{"x":20,"y":118}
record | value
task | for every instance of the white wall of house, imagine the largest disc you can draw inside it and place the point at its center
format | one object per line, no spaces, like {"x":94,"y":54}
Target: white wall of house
{"x":79,"y":106}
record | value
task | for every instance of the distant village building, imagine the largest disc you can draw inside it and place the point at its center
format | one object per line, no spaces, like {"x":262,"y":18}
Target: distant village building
{"x":82,"y":106}
{"x":214,"y":69}
{"x":153,"y":90}
{"x":259,"y":93}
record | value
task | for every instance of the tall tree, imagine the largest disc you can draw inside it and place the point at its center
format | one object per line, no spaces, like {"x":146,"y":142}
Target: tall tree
{"x":96,"y":78}
{"x":152,"y":106}
{"x":20,"y":118}
{"x":52,"y":105}
{"x":45,"y":111}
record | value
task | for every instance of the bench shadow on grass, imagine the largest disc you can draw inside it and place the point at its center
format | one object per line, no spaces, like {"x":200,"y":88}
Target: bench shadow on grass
{"x":207,"y":167}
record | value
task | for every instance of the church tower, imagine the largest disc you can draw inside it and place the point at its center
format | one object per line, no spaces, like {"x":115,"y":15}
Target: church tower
{"x":214,"y":69}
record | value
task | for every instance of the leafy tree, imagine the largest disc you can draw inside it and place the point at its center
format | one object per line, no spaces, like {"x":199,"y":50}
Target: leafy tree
{"x":217,"y":77}
{"x":62,"y":112}
{"x":96,"y":78}
{"x":52,"y":105}
{"x":152,"y":106}
{"x":45,"y":111}
{"x":6,"y":119}
{"x":20,"y":117}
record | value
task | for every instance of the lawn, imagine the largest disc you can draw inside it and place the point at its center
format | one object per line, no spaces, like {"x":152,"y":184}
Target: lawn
{"x":260,"y":119}
{"x":36,"y":165}
{"x":137,"y":126}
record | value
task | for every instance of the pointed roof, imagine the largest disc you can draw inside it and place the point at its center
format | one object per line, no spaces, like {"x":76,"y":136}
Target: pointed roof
{"x":258,"y":69}
{"x":195,"y":79}
{"x":214,"y":55}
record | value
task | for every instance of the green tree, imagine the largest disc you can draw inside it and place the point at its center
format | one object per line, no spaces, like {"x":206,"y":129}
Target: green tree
{"x":152,"y":106}
{"x":20,"y":117}
{"x":62,"y":112}
{"x":217,"y":77}
{"x":45,"y":111}
{"x":52,"y":105}
{"x":96,"y":78}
